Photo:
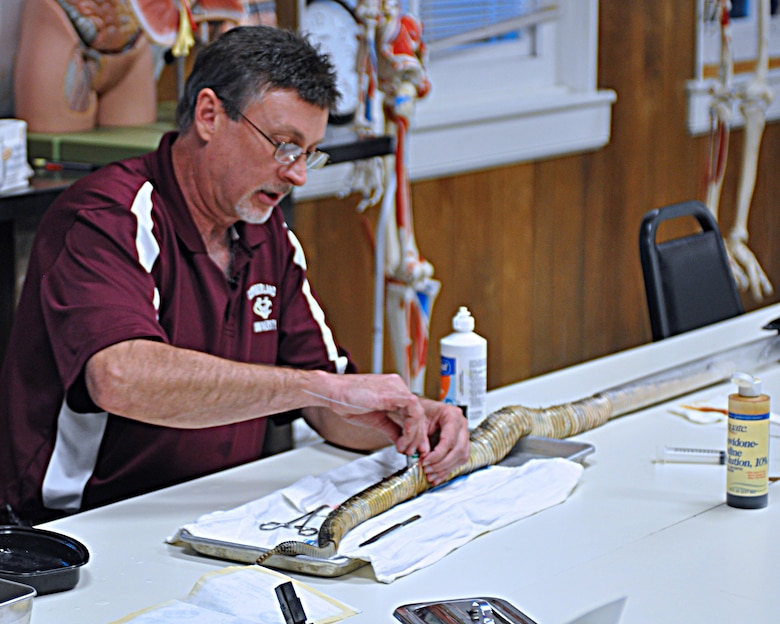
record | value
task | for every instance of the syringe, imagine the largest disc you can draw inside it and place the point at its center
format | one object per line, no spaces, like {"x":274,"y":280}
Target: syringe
{"x":684,"y":455}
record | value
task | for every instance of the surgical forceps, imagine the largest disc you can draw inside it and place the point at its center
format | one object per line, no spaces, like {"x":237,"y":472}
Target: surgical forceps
{"x":302,"y":528}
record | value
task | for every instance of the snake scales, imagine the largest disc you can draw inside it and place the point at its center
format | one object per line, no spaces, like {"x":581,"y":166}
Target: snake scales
{"x":492,"y":440}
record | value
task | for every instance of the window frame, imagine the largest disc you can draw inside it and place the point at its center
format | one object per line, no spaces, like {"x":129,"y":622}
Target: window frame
{"x":505,"y":122}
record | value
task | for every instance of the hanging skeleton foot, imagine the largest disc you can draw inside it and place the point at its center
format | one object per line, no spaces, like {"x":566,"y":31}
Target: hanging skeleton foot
{"x":753,"y":103}
{"x":755,"y":100}
{"x":740,"y":276}
{"x":748,"y":270}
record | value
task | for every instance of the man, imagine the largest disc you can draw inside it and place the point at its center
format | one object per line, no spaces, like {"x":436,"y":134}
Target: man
{"x":166,"y":309}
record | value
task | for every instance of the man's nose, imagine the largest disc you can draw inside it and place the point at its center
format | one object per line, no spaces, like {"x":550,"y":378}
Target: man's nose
{"x":295,"y":172}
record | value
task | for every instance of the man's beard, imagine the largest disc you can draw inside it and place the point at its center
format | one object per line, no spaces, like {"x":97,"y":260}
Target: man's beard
{"x":249,"y":212}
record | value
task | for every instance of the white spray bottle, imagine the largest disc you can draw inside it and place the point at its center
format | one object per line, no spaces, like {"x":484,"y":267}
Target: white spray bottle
{"x":464,"y":368}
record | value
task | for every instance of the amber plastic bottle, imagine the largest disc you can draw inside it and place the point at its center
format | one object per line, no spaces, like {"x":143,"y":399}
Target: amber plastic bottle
{"x":747,"y":450}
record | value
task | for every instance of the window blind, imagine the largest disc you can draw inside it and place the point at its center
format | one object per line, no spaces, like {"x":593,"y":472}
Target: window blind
{"x":450,"y":23}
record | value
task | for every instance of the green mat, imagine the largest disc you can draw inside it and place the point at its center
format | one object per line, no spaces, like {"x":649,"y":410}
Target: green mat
{"x":101,"y":146}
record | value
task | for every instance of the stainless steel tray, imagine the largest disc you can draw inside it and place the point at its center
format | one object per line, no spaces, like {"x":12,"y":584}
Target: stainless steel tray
{"x":528,"y":448}
{"x":535,"y":447}
{"x":244,"y":553}
{"x":462,"y":611}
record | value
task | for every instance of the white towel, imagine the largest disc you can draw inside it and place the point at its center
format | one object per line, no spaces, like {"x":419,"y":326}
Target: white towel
{"x":709,"y":410}
{"x":450,"y":516}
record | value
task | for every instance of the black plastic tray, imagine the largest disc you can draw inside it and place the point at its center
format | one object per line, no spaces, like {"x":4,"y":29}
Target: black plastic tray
{"x":47,"y":561}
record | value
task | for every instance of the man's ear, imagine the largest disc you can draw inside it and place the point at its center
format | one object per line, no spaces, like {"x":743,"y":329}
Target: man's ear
{"x":208,"y":108}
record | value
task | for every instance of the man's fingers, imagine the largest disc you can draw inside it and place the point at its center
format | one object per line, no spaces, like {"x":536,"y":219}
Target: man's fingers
{"x":446,"y":456}
{"x":414,"y":438}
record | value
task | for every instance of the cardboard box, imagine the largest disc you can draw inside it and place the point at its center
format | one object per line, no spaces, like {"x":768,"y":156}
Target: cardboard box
{"x":15,"y":171}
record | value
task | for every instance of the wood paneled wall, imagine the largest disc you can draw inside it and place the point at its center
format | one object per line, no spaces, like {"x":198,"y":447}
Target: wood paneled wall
{"x":545,"y":253}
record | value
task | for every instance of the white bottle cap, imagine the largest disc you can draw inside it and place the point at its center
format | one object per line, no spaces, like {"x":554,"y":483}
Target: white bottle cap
{"x":463,"y":321}
{"x":749,"y":386}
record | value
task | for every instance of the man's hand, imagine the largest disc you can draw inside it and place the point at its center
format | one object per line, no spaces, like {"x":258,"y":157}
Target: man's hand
{"x":453,"y":445}
{"x":384,"y":403}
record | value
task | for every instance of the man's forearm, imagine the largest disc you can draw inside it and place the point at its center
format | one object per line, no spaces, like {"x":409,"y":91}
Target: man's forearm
{"x":165,"y":385}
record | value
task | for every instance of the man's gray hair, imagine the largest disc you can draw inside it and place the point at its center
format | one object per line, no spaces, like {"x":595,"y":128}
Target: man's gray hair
{"x":247,"y":61}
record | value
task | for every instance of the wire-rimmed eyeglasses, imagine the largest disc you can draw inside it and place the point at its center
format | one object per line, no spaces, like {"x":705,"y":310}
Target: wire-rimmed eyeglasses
{"x":288,"y":153}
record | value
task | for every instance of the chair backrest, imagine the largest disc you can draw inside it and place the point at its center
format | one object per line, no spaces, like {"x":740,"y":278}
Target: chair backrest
{"x":688,"y":281}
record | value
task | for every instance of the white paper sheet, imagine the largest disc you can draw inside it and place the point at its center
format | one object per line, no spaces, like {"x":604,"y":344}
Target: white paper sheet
{"x":241,"y":595}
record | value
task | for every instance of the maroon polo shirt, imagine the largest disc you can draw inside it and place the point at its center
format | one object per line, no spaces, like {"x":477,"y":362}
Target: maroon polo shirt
{"x":118,"y":257}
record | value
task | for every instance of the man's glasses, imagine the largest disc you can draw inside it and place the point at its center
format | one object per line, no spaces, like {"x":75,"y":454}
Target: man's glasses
{"x":288,"y":153}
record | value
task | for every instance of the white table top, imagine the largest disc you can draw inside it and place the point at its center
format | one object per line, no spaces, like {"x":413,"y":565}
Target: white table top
{"x":658,"y":534}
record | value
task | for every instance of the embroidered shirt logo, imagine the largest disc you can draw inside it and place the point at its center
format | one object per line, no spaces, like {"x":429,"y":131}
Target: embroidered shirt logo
{"x":262,"y":306}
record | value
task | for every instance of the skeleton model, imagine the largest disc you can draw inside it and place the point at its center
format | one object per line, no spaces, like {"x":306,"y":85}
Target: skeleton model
{"x":390,"y":60}
{"x":753,"y":101}
{"x":411,"y":289}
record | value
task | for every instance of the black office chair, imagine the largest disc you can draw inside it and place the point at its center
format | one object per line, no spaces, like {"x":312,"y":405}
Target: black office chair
{"x":688,"y":280}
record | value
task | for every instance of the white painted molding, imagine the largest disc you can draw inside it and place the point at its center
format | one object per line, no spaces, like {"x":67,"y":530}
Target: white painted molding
{"x":549,"y":128}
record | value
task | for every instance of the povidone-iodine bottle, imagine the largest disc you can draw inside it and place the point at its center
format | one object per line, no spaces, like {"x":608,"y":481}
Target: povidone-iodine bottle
{"x":747,"y":451}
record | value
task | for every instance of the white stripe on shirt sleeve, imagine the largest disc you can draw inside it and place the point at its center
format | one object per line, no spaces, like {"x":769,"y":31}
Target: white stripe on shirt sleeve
{"x":317,"y":312}
{"x":145,"y":243}
{"x":73,"y":459}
